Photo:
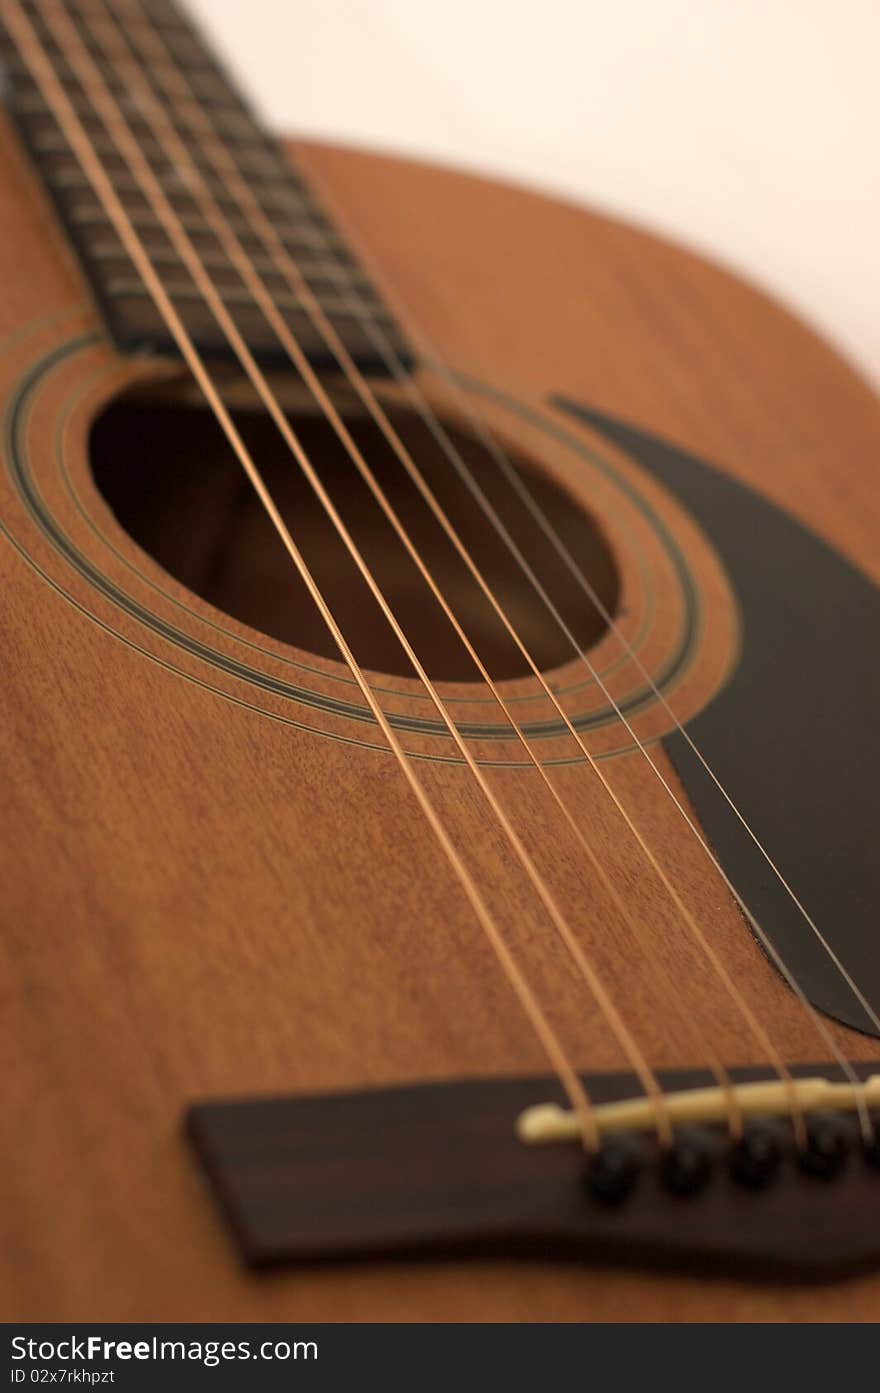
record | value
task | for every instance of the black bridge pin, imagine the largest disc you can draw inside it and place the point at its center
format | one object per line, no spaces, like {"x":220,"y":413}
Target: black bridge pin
{"x":686,"y":1165}
{"x":827,"y":1145}
{"x":756,"y":1156}
{"x":614,"y":1170}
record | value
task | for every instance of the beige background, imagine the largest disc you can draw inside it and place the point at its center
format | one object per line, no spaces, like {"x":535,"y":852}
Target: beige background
{"x":748,"y":128}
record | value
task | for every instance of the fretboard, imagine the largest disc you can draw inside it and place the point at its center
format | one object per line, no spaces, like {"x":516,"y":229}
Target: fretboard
{"x":331,"y":272}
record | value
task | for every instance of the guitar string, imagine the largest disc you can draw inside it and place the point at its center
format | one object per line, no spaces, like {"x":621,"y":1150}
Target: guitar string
{"x":246,"y":200}
{"x":389,"y":354}
{"x":240,"y":259}
{"x":52,"y":90}
{"x":255,"y":290}
{"x":219,"y":157}
{"x":432,"y":362}
{"x":58,"y":20}
{"x":549,"y":906}
{"x":472,"y":655}
{"x":155,"y":116}
{"x":494,"y":447}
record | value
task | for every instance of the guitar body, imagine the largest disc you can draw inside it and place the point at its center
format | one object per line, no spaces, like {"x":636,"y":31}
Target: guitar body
{"x":218,"y":885}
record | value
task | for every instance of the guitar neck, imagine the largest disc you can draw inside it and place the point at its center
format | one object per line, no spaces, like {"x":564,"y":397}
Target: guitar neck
{"x":263,"y":203}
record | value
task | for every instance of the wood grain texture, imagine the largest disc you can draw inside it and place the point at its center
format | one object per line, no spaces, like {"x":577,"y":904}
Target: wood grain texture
{"x":203,"y":900}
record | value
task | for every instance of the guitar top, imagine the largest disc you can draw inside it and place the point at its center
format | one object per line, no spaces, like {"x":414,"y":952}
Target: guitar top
{"x":440,"y":740}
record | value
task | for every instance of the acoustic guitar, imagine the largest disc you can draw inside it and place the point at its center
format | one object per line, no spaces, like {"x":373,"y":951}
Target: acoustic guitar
{"x":441,"y":682}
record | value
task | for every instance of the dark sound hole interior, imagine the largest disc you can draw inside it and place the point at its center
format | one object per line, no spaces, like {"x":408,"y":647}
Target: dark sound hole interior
{"x":174,"y":485}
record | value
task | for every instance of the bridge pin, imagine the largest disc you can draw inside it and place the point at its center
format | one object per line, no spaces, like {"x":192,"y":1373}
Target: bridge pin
{"x":686,"y":1167}
{"x":827,"y":1145}
{"x":614,"y":1170}
{"x":756,"y":1156}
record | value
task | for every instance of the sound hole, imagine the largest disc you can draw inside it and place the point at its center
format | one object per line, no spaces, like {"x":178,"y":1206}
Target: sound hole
{"x":174,"y":485}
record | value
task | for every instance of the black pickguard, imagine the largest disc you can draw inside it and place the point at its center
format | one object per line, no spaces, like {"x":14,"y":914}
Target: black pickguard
{"x":794,"y":734}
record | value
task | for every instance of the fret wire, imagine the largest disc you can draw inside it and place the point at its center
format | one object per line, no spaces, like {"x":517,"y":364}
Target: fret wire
{"x":231,"y":114}
{"x":283,"y":196}
{"x":234,"y":121}
{"x":91,"y":215}
{"x":251,"y":155}
{"x":82,"y":15}
{"x":40,"y":120}
{"x":237,"y":128}
{"x":283,"y":199}
{"x":135,"y":26}
{"x":65,"y":174}
{"x":260,"y":167}
{"x":199,"y":65}
{"x":312,"y":270}
{"x":182,"y":291}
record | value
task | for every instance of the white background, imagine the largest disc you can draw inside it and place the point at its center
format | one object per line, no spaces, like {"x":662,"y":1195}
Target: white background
{"x":746,"y":128}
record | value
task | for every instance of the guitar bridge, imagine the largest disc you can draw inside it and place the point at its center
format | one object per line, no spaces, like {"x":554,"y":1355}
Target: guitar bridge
{"x":440,"y":1170}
